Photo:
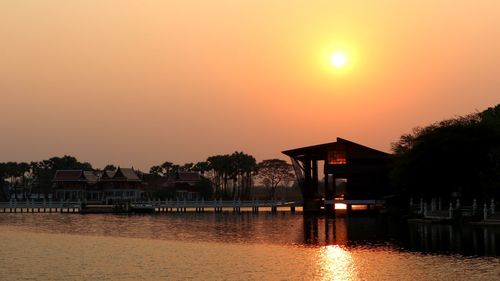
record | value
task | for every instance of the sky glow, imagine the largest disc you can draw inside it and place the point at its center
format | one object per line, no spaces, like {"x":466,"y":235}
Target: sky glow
{"x":139,"y":83}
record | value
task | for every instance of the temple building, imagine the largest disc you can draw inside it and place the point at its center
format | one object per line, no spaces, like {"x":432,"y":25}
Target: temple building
{"x":353,"y":174}
{"x":180,"y":186}
{"x":107,"y":186}
{"x":123,"y":184}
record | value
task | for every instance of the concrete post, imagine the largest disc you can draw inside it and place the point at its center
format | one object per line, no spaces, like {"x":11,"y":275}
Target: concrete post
{"x":492,"y":206}
{"x":450,"y":211}
{"x":485,"y":212}
{"x":474,"y":207}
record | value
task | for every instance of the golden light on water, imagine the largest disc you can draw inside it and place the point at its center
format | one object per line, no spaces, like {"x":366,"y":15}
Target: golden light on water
{"x":340,"y":206}
{"x":338,"y":263}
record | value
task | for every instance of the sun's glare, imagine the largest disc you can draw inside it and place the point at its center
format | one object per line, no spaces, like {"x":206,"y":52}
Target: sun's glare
{"x":338,"y":59}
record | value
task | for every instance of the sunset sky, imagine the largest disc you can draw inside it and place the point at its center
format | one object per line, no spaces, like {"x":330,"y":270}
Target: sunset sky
{"x":136,"y":83}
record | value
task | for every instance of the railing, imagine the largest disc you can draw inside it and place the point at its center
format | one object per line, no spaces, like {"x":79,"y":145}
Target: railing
{"x":217,"y":205}
{"x":27,"y":206}
{"x":35,"y":206}
{"x":436,"y":210}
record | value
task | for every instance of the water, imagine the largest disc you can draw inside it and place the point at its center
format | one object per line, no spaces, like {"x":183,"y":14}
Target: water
{"x":210,"y":246}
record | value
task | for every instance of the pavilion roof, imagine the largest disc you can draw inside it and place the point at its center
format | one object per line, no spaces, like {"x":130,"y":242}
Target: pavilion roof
{"x":127,"y":174}
{"x":90,"y":176}
{"x":319,"y":152}
{"x":69,"y":175}
{"x":188,"y":176}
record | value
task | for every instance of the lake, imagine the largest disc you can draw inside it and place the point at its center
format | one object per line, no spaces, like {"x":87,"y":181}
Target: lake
{"x":246,"y":246}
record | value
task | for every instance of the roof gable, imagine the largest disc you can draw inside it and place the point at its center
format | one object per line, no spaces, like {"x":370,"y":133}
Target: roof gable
{"x":127,"y":174}
{"x":90,"y":176}
{"x":352,"y":149}
{"x":69,"y":175}
{"x":188,"y":176}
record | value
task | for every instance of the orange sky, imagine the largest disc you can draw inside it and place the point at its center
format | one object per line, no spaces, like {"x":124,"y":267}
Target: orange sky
{"x":141,"y":82}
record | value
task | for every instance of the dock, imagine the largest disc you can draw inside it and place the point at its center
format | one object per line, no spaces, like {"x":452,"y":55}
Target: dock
{"x":156,"y":206}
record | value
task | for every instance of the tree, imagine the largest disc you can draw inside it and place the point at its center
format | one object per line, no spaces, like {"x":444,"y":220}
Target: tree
{"x":231,"y":175}
{"x":204,"y":187}
{"x":201,"y":167}
{"x":273,"y":172}
{"x":243,"y":165}
{"x":110,"y":167}
{"x":219,"y":165}
{"x":43,"y":171}
{"x":166,"y":169}
{"x":188,"y":167}
{"x":452,"y":157}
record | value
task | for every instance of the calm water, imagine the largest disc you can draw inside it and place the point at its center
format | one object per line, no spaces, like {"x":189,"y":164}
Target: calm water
{"x":227,"y":246}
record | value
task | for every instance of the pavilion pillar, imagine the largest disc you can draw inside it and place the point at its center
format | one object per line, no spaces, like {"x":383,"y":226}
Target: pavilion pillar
{"x":327,"y":187}
{"x":311,"y":205}
{"x":315,"y":180}
{"x":329,"y":208}
{"x":307,"y":178}
{"x":334,"y":188}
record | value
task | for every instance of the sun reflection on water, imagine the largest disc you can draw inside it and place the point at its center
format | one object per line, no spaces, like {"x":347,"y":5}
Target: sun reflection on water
{"x":337,"y":263}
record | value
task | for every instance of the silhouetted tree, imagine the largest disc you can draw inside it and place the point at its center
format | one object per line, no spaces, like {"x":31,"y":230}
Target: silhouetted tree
{"x":459,"y":156}
{"x":273,"y":172}
{"x":43,"y":171}
{"x":166,"y":169}
{"x":110,"y":167}
{"x":202,"y":167}
{"x":231,"y":175}
{"x":188,"y":167}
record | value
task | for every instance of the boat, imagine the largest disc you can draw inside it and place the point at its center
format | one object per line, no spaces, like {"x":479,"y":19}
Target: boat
{"x":141,"y":208}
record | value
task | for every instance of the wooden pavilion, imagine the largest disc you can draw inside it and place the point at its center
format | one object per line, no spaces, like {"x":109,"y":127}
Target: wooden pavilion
{"x":362,"y":171}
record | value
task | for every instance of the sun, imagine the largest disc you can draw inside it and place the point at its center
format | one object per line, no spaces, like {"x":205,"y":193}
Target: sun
{"x":338,"y":59}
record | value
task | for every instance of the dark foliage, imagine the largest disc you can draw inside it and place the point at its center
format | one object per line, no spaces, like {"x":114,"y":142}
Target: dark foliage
{"x":456,"y":157}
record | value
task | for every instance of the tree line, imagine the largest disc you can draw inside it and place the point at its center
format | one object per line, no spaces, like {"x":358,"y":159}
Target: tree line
{"x":458,"y":157}
{"x":230,"y":175}
{"x":35,"y":176}
{"x":233,"y":175}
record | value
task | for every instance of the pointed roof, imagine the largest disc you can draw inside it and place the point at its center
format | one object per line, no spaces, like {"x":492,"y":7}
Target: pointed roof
{"x":90,"y":176}
{"x":107,"y":175}
{"x":352,"y":149}
{"x":69,"y":175}
{"x":127,"y":174}
{"x":188,"y":176}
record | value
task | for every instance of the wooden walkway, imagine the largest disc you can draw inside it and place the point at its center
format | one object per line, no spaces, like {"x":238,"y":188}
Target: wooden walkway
{"x":32,"y":206}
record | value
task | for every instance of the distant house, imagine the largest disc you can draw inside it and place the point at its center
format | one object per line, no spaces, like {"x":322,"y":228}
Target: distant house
{"x":106,"y":186}
{"x":73,"y":184}
{"x":123,"y":184}
{"x":182,"y":185}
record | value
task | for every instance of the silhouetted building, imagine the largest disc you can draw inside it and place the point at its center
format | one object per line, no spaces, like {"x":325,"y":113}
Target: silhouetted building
{"x":123,"y":184}
{"x":107,"y":186}
{"x":73,"y":184}
{"x":363,"y":172}
{"x":181,"y":185}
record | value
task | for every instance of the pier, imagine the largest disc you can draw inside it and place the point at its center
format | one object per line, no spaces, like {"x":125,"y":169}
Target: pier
{"x":32,"y":206}
{"x":437,"y":210}
{"x":156,"y":206}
